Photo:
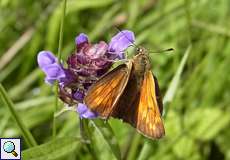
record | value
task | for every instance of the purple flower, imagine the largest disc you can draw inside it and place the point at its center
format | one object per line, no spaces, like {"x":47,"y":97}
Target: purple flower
{"x":84,"y":67}
{"x":89,"y":58}
{"x":84,"y":112}
{"x":79,"y":95}
{"x":81,"y":40}
{"x":49,"y":65}
{"x":120,"y":43}
{"x":46,"y":58}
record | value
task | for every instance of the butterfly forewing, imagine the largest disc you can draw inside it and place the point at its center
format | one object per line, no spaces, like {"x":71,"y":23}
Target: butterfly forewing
{"x":104,"y":94}
{"x":130,"y":92}
{"x":149,"y":120}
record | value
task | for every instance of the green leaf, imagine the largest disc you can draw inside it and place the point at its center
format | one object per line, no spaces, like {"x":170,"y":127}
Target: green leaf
{"x":87,"y":135}
{"x":54,"y":149}
{"x":106,"y":131}
{"x":21,"y":125}
{"x":206,"y":123}
{"x":185,"y":152}
{"x":176,"y":79}
{"x":31,"y":117}
{"x":223,"y":144}
{"x":145,"y":151}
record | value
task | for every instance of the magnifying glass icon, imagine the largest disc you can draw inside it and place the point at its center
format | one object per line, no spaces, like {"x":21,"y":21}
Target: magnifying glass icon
{"x":9,"y":147}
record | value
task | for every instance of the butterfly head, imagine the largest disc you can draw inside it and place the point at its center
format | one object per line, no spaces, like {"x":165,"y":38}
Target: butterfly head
{"x":141,"y":50}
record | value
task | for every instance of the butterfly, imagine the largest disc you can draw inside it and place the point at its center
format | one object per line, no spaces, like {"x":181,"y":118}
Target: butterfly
{"x":130,"y":92}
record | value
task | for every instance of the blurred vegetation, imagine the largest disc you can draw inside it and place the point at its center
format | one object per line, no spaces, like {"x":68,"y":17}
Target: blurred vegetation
{"x":197,"y":113}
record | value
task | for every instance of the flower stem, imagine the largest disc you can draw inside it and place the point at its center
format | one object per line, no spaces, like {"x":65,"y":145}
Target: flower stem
{"x":61,"y":31}
{"x":134,"y":146}
{"x":55,"y":108}
{"x":189,"y":20}
{"x":24,"y":130}
{"x":59,"y":60}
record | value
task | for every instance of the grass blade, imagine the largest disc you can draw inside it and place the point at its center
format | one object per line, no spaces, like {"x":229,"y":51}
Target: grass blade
{"x":176,"y":79}
{"x":55,"y":149}
{"x":86,"y":134}
{"x":25,"y":132}
{"x":106,"y":131}
{"x":59,"y":60}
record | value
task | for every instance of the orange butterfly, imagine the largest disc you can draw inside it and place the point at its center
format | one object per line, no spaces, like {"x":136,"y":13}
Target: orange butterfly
{"x":130,"y":92}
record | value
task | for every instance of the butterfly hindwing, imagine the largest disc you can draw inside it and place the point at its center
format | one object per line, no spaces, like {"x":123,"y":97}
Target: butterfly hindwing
{"x":149,"y":120}
{"x":104,"y":94}
{"x":141,"y":106}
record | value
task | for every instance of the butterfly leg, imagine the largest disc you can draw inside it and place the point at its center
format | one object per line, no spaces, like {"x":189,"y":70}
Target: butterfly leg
{"x":120,"y":60}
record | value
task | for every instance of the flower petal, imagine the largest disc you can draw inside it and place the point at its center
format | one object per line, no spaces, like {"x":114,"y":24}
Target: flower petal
{"x":53,"y":72}
{"x":68,"y":79}
{"x":101,"y":49}
{"x":120,"y":42}
{"x":84,"y":112}
{"x":82,"y":59}
{"x":45,"y":58}
{"x":89,"y":114}
{"x":86,"y":72}
{"x":96,"y":50}
{"x":81,"y":108}
{"x":81,"y":40}
{"x":79,"y":95}
{"x":49,"y":80}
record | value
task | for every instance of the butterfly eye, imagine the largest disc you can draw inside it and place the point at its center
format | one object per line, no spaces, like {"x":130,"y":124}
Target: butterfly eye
{"x":139,"y":50}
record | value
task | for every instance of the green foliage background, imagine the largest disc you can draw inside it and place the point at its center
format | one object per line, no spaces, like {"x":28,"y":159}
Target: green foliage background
{"x":194,"y":79}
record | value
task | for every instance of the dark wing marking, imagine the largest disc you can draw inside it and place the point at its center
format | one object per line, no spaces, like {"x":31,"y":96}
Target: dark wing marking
{"x":158,"y":95}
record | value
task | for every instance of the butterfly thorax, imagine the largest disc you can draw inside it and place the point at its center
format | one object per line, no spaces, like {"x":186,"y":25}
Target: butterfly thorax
{"x":141,"y":62}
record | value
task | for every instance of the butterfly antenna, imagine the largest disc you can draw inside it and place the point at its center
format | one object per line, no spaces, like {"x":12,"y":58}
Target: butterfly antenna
{"x":161,"y":51}
{"x":126,"y":37}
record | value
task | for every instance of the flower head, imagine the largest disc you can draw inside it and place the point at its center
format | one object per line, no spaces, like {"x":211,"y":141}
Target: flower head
{"x":90,"y":59}
{"x":84,"y":67}
{"x":49,"y":65}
